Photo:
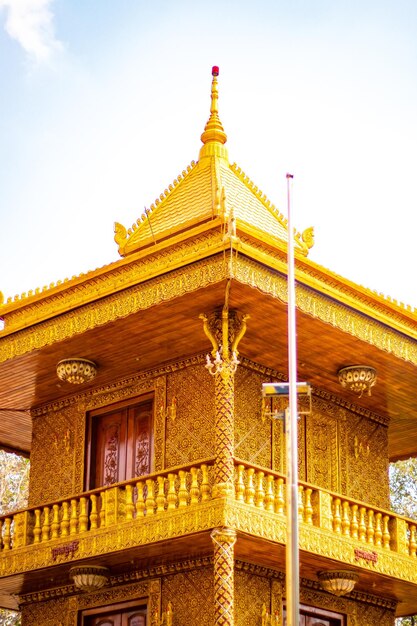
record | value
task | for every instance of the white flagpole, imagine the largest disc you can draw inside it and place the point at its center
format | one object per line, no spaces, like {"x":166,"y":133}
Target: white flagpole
{"x":291,"y":439}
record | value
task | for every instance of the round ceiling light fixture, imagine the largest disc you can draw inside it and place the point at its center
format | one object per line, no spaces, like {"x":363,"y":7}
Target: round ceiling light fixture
{"x":76,"y":370}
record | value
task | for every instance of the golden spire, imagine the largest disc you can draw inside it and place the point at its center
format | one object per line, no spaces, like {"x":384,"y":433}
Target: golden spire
{"x":214,"y":136}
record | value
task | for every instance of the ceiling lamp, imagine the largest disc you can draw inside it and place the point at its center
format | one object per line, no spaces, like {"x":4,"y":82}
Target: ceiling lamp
{"x":338,"y":582}
{"x":357,"y":378}
{"x":76,"y":370}
{"x":89,"y":578}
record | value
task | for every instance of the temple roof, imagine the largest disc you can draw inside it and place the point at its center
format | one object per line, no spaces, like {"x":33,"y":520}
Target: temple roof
{"x":209,"y":190}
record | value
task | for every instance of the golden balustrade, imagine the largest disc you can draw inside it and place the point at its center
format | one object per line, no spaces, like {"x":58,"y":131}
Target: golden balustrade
{"x":265,"y":489}
{"x":101,"y":508}
{"x":190,"y":486}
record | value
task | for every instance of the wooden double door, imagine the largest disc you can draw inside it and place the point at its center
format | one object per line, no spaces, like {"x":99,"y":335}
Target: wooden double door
{"x":131,"y":618}
{"x":310,"y":616}
{"x":125,"y":614}
{"x":120,"y":444}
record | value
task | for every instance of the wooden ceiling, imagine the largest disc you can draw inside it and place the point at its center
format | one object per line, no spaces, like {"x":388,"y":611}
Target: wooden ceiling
{"x":172,"y":330}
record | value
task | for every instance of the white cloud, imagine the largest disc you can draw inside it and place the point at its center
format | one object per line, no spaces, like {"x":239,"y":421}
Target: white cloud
{"x":30,"y":22}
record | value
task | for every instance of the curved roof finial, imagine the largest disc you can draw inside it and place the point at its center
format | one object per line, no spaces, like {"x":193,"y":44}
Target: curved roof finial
{"x":213,"y":131}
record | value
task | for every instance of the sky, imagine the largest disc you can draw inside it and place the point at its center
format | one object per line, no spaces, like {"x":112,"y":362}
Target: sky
{"x":102,"y":105}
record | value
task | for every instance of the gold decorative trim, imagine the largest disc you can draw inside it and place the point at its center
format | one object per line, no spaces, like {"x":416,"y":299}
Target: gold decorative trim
{"x":328,"y":310}
{"x":205,"y":517}
{"x":318,"y":541}
{"x":133,"y":576}
{"x":309,"y":273}
{"x":128,"y":384}
{"x":259,"y":570}
{"x":359,"y":596}
{"x":187,"y":280}
{"x":63,"y":296}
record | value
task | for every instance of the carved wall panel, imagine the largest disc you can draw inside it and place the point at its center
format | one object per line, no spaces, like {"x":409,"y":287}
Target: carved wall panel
{"x":347,"y":453}
{"x":192,"y":596}
{"x":59,"y":437}
{"x":52,"y":467}
{"x":251,"y":593}
{"x":190,"y":436}
{"x":252,"y":436}
{"x":322,"y":447}
{"x":66,"y":611}
{"x":367,"y":460}
{"x":52,"y":613}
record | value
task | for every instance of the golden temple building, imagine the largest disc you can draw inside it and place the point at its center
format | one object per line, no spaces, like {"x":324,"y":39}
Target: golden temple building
{"x":158,"y":471}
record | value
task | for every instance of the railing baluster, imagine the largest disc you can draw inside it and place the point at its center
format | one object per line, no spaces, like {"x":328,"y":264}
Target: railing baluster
{"x":412,"y":543}
{"x":46,"y":524}
{"x":354,"y":526}
{"x":160,"y":498}
{"x":65,"y":519}
{"x":386,"y":537}
{"x":182,"y":491}
{"x":378,"y":529}
{"x":140,"y":502}
{"x":194,"y":489}
{"x":337,"y":520}
{"x":370,"y":532}
{"x":83,"y":515}
{"x":269,"y":497}
{"x":93,"y":512}
{"x":55,"y":522}
{"x":362,"y":525}
{"x":308,"y":509}
{"x":250,"y":489}
{"x":345,"y":519}
{"x":205,"y":484}
{"x":240,"y":485}
{"x":103,"y":509}
{"x":172,"y":494}
{"x":129,"y":506}
{"x":259,"y":491}
{"x":7,"y":535}
{"x":279,"y":501}
{"x":300,"y":504}
{"x":150,"y":497}
{"x":74,"y":517}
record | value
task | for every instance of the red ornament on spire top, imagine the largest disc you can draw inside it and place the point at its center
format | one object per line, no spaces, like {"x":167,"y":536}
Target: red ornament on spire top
{"x":215,"y":70}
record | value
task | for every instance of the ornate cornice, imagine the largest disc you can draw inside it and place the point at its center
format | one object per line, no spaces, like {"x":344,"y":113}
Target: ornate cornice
{"x":111,"y":279}
{"x":128,"y":384}
{"x":259,"y":570}
{"x":365,"y":300}
{"x":198,"y":359}
{"x":196,"y":276}
{"x":124,"y":578}
{"x":328,"y":310}
{"x":360,"y":596}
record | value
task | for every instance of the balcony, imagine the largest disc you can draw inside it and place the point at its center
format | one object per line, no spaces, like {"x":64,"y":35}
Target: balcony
{"x":167,"y":516}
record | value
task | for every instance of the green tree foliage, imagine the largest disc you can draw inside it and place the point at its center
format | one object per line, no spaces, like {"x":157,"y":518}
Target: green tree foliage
{"x":403,"y":485}
{"x":14,"y":485}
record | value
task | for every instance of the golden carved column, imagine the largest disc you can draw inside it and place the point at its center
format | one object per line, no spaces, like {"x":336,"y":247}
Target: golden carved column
{"x":224,"y":331}
{"x":224,"y":540}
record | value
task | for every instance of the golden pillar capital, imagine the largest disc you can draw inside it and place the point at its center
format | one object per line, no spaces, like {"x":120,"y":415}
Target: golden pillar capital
{"x":225,"y":329}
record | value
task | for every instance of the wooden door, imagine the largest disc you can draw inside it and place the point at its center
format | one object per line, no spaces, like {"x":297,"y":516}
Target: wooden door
{"x":124,"y":618}
{"x":120,"y":444}
{"x":317,"y":617}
